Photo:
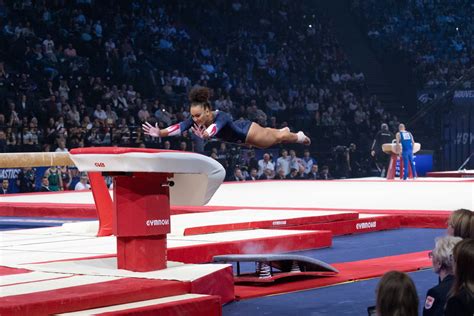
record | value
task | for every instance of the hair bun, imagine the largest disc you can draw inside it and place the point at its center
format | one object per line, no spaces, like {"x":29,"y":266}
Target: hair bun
{"x":199,"y":95}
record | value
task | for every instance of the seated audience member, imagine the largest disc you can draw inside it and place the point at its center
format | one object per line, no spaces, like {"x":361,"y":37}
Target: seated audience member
{"x":238,"y":176}
{"x":396,"y":295}
{"x":324,"y":174}
{"x":253,"y":175}
{"x":461,"y":223}
{"x":83,"y":183}
{"x":5,"y":185}
{"x":442,"y":259}
{"x":26,"y":180}
{"x":281,"y":175}
{"x":461,"y":298}
{"x":44,"y":185}
{"x":266,"y":175}
{"x":313,"y":174}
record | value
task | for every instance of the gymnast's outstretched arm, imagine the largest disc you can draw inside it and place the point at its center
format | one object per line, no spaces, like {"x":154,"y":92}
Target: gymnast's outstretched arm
{"x":173,"y":130}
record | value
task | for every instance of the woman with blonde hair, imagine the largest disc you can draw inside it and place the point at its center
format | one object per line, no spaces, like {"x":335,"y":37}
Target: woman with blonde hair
{"x":461,"y":223}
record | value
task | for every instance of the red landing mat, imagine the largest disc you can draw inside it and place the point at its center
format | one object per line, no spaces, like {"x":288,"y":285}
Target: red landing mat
{"x":348,"y":271}
{"x":361,"y":225}
{"x":417,"y":219}
{"x":451,"y":174}
{"x":9,"y":271}
{"x":203,"y":306}
{"x":270,"y":224}
{"x":63,"y":210}
{"x":90,"y":296}
{"x":286,"y":243}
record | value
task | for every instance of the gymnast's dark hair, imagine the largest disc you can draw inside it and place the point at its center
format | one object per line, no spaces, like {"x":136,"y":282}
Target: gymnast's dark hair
{"x":200,"y":96}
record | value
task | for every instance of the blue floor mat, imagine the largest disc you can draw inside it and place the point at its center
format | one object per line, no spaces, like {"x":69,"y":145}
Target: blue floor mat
{"x":345,"y":299}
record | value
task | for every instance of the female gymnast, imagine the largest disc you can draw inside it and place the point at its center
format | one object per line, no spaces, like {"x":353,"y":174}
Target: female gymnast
{"x":206,"y":123}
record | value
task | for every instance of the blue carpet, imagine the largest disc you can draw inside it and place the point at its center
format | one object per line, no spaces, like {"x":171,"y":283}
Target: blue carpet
{"x":346,"y":299}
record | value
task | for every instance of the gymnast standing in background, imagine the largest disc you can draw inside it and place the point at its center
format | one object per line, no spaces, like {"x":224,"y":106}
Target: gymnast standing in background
{"x":206,"y":123}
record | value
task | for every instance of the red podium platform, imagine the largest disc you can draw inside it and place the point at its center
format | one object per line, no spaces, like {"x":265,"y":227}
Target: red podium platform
{"x":145,"y":181}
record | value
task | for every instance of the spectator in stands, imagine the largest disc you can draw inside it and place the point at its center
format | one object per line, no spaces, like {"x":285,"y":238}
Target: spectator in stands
{"x":208,"y":124}
{"x":281,"y":174}
{"x":53,"y":174}
{"x":167,"y":145}
{"x":307,"y":161}
{"x":295,"y":78}
{"x":266,"y":164}
{"x":5,"y":186}
{"x":3,"y":142}
{"x":267,"y":174}
{"x":442,"y":259}
{"x":61,"y":146}
{"x":283,"y":162}
{"x":252,"y":161}
{"x":44,"y":185}
{"x":83,"y":183}
{"x":461,"y":223}
{"x":66,"y":177}
{"x":324,"y":174}
{"x":381,"y":159}
{"x":313,"y":174}
{"x":253,"y":175}
{"x":396,"y":295}
{"x":461,"y":299}
{"x":183,"y":146}
{"x":238,"y":176}
{"x":26,"y":180}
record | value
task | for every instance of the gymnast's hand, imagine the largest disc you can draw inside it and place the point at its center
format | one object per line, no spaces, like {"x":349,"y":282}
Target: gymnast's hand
{"x":200,"y":131}
{"x":150,"y":130}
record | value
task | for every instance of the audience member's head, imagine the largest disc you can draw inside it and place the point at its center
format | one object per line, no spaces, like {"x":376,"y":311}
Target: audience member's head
{"x":442,"y":255}
{"x":5,"y":184}
{"x":461,"y":223}
{"x":464,"y":267}
{"x":396,"y":295}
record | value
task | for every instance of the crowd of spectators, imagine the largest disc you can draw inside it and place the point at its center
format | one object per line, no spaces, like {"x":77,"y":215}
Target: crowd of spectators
{"x":436,"y":38}
{"x":82,"y":73}
{"x":452,"y":259}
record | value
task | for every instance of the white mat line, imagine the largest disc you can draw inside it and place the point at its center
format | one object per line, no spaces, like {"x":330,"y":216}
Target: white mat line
{"x":49,"y":285}
{"x":123,"y":307}
{"x":54,"y":251}
{"x":107,"y":267}
{"x":41,"y":242}
{"x":33,"y":276}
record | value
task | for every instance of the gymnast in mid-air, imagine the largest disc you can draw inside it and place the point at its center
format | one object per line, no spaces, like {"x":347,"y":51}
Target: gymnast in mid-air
{"x":206,"y":123}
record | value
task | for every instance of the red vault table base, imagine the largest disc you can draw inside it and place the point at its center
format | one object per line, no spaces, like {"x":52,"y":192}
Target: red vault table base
{"x":142,"y":220}
{"x":141,"y":254}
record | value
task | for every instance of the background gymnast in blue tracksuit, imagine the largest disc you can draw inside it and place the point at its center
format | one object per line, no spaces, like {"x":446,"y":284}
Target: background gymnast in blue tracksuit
{"x":407,"y":142}
{"x":206,"y":123}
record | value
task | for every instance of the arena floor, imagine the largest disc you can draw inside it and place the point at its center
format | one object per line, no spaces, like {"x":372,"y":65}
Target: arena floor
{"x":66,"y":265}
